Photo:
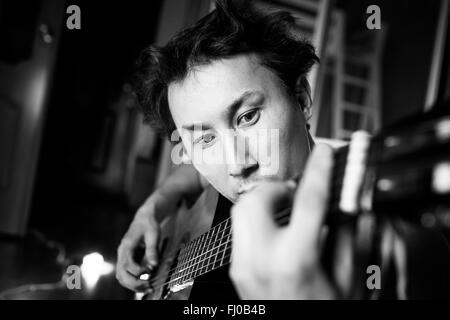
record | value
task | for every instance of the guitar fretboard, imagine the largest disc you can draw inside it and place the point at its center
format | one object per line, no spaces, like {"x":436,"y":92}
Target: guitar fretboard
{"x":210,"y":251}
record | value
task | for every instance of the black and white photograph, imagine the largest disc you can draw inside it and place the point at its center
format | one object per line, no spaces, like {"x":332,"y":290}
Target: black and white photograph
{"x":226,"y":153}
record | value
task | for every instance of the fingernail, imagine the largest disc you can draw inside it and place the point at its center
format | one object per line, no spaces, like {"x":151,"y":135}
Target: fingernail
{"x":144,"y":276}
{"x":291,"y":184}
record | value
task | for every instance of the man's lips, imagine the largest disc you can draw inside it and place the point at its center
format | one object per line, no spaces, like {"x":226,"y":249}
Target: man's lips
{"x":247,"y":187}
{"x":251,"y":185}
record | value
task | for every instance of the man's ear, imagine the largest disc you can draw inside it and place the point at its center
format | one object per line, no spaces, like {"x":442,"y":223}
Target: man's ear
{"x":303,"y":96}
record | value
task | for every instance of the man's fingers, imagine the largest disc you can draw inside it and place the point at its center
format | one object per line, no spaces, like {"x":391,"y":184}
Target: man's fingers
{"x":344,"y":259}
{"x":129,"y":281}
{"x":253,"y":222}
{"x":125,"y":259}
{"x":151,"y":251}
{"x":259,"y":206}
{"x":311,"y":198}
{"x":128,"y":271}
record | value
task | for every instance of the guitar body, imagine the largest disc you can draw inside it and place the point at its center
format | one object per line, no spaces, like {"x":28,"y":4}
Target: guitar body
{"x":176,"y":231}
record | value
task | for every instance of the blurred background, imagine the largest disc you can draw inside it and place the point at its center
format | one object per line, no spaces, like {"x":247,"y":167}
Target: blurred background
{"x":75,"y":158}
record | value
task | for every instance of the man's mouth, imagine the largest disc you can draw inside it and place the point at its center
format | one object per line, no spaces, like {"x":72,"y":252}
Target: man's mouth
{"x":246,"y":187}
{"x":251,"y":184}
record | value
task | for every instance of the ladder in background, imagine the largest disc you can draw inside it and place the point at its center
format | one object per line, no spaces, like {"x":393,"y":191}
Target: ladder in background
{"x":312,"y":17}
{"x":357,"y":103}
{"x":347,"y":86}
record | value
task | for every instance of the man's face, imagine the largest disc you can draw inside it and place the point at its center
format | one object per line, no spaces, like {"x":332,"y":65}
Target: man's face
{"x":236,"y":113}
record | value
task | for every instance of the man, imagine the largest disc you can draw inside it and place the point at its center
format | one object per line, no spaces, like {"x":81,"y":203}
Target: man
{"x":234,"y":73}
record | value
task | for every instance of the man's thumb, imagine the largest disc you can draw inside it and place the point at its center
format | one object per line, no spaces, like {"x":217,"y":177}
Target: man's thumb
{"x":151,"y":251}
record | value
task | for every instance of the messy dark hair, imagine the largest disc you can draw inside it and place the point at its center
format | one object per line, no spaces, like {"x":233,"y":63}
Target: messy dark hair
{"x":233,"y":28}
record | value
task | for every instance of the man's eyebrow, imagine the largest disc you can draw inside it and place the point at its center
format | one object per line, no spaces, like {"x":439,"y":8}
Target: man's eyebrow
{"x":228,"y":113}
{"x":236,"y":104}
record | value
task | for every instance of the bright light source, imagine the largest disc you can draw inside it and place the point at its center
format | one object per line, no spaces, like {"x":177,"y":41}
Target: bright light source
{"x":144,"y":276}
{"x":441,"y":178}
{"x":93,"y":267}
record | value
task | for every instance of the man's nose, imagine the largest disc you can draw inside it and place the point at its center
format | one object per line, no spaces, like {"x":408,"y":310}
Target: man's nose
{"x":241,"y":163}
{"x":245,"y":170}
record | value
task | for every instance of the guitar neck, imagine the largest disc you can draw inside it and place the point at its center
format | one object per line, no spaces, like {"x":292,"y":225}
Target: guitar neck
{"x":205,"y":253}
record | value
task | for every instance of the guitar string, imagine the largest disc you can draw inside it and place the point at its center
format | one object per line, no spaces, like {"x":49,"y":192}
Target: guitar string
{"x":191,"y":274}
{"x":199,"y":243}
{"x":282,"y":219}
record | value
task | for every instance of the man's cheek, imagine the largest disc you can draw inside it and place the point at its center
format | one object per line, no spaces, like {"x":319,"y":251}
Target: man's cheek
{"x":217,"y":177}
{"x":210,"y":173}
{"x":268,"y":152}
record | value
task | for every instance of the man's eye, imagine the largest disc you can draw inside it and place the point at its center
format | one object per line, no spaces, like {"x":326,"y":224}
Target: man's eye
{"x":248,"y":118}
{"x":206,"y":139}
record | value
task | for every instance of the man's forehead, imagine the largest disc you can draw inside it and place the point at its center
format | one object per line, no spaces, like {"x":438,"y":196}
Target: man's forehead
{"x":211,"y":88}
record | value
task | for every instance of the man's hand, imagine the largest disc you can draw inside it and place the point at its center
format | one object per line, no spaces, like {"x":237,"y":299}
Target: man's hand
{"x":272,"y":262}
{"x":144,"y":230}
{"x":183,"y":183}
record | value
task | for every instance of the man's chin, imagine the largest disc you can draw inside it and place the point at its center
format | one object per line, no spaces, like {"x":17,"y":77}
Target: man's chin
{"x":233,"y":199}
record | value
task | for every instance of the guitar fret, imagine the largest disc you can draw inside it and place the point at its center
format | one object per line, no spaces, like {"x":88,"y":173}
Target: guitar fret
{"x":217,"y":248}
{"x":228,"y":248}
{"x":201,"y":255}
{"x":209,"y":254}
{"x":188,"y":266}
{"x":194,"y":261}
{"x":204,"y":253}
{"x":214,"y":247}
{"x":222,"y":241}
{"x":181,"y":273}
{"x":193,"y":257}
{"x":226,"y":242}
{"x":177,"y":268}
{"x":175,"y":273}
{"x":197,"y":257}
{"x":181,"y":261}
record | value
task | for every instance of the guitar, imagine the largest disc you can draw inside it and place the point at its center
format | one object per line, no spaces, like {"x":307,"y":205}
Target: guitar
{"x":402,"y":172}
